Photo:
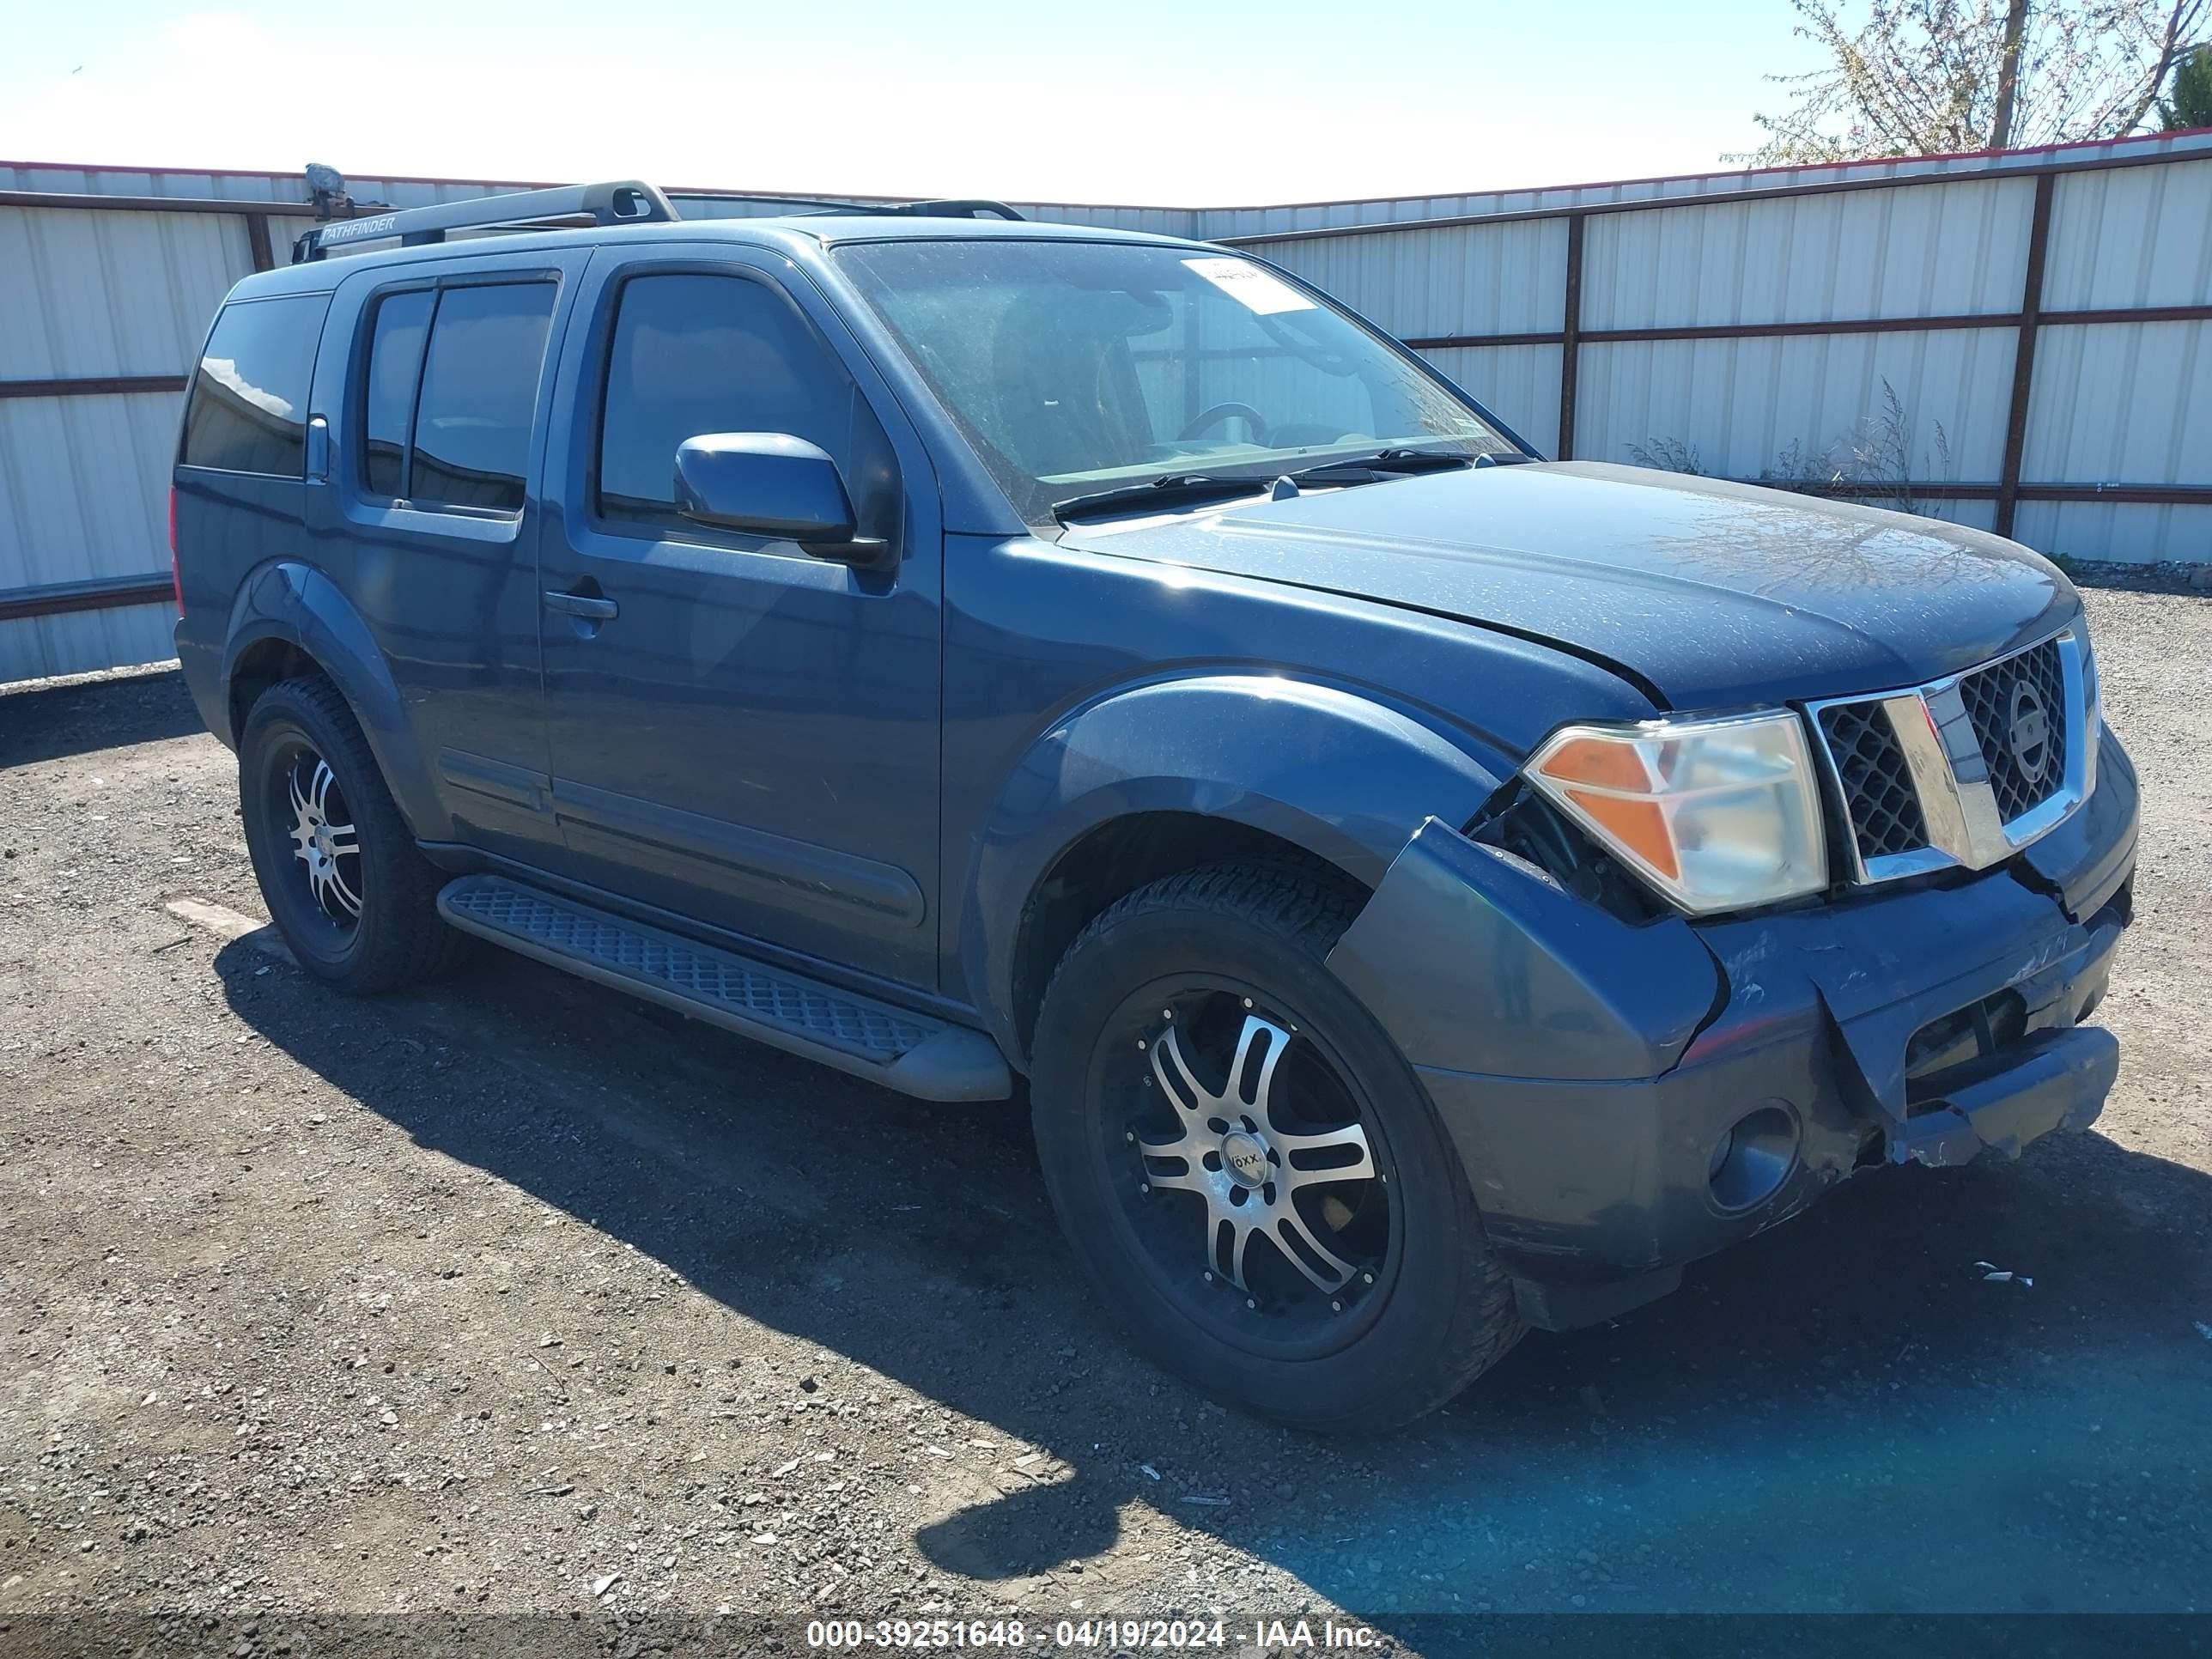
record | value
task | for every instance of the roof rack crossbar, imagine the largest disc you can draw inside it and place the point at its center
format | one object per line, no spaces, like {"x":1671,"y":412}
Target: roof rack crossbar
{"x":962,"y":208}
{"x":950,"y":208}
{"x":620,"y":202}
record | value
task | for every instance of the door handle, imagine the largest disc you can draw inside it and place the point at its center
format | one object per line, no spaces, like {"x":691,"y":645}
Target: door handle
{"x":587,"y":606}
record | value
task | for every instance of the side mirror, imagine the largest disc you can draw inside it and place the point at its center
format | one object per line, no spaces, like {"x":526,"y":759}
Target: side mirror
{"x":770,"y":484}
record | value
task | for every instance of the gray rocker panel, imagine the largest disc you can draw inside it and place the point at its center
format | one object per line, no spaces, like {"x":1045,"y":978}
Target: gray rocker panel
{"x":911,"y":1053}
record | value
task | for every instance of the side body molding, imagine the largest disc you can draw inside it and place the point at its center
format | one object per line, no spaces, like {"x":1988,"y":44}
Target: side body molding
{"x":291,"y":602}
{"x":1345,"y":777}
{"x":1474,"y":963}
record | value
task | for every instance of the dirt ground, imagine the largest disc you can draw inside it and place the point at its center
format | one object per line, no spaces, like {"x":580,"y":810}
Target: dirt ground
{"x":518,"y":1297}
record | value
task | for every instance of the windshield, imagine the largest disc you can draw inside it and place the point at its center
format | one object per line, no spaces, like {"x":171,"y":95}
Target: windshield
{"x":1076,"y":367}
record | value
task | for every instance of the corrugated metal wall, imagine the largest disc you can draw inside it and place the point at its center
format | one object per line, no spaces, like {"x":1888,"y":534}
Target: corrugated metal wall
{"x":97,"y":298}
{"x":1746,"y":320}
{"x":1752,"y":324}
{"x":1232,"y":221}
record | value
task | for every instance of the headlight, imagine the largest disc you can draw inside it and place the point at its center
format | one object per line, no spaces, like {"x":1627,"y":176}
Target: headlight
{"x":1716,"y":814}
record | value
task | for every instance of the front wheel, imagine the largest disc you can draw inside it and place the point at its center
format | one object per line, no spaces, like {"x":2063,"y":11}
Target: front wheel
{"x":1248,"y":1169}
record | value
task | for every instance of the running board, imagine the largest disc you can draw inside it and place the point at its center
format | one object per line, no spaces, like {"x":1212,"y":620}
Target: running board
{"x":912,"y":1053}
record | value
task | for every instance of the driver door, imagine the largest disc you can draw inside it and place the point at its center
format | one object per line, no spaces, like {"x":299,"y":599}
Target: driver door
{"x":740,"y":733}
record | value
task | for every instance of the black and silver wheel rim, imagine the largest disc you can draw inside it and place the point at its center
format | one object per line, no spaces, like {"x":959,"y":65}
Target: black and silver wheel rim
{"x":320,"y":878}
{"x":1249,"y":1167}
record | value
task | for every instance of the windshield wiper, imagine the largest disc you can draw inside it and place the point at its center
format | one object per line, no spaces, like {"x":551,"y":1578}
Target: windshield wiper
{"x":1173,"y":489}
{"x":1170,"y":490}
{"x":1361,"y":469}
{"x":1348,"y":469}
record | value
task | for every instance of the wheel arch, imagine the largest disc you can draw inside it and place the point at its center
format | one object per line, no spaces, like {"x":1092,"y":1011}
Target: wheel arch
{"x":1164,"y":777}
{"x":289,"y":619}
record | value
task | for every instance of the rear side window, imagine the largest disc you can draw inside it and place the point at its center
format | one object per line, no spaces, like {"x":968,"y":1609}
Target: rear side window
{"x":450,"y":394}
{"x":248,"y":411}
{"x":693,"y":354}
{"x":395,"y":359}
{"x":479,"y":393}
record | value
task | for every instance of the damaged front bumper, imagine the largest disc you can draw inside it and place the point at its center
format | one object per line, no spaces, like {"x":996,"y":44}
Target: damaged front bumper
{"x":1629,"y":1098}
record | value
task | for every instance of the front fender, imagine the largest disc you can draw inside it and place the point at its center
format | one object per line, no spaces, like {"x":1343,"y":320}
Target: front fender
{"x":1345,"y":777}
{"x":288,"y":601}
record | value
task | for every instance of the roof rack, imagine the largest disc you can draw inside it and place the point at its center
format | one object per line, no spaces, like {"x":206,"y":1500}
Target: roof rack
{"x":623,"y":202}
{"x":823,"y":206}
{"x":959,"y":208}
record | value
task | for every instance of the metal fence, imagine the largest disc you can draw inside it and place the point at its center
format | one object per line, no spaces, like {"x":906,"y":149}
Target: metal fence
{"x":2045,"y":312}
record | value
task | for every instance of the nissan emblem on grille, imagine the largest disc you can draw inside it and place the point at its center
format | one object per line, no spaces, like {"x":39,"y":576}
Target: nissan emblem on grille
{"x":2030,"y":731}
{"x":2017,"y":707}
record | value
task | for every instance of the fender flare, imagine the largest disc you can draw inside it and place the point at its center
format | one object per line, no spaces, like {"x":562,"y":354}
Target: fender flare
{"x":299,"y":606}
{"x":1343,"y":776}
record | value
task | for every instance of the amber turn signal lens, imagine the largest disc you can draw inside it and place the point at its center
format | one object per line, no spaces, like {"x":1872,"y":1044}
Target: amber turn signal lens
{"x":1603,"y":762}
{"x":1638,"y":826}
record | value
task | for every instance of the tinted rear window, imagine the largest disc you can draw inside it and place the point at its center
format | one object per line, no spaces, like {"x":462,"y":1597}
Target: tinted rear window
{"x":248,"y":411}
{"x":479,"y":394}
{"x":388,"y":389}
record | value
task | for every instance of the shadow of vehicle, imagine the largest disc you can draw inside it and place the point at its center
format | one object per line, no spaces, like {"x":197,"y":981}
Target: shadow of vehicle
{"x":1844,"y":1414}
{"x":51,"y":721}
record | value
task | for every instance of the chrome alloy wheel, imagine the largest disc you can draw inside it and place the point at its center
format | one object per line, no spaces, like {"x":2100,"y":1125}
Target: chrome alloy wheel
{"x":324,"y":838}
{"x":1263,"y":1186}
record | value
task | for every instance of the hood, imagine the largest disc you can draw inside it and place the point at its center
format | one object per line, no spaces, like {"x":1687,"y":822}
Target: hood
{"x":1708,"y":594}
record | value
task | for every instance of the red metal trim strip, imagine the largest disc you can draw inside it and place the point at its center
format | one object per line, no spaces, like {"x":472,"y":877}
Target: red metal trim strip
{"x":1686,"y":178}
{"x":1715,"y":198}
{"x":1936,"y":490}
{"x":2142,"y":494}
{"x":107,"y":596}
{"x":1453,"y":342}
{"x":97,"y":385}
{"x":41,"y":199}
{"x":1839,"y":325}
{"x":1240,"y":207}
{"x":2128,"y":314}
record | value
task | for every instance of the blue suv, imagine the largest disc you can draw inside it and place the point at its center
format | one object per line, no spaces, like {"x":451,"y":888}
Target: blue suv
{"x":1425,"y":892}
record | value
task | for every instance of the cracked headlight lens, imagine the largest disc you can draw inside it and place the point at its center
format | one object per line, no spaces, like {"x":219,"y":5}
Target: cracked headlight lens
{"x":1715,"y":814}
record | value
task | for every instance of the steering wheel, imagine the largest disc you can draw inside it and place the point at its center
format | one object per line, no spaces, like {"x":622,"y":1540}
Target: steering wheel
{"x":1220,"y":412}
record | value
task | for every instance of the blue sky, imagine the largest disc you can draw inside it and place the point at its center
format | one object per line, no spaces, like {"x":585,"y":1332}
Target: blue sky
{"x":1144,"y":101}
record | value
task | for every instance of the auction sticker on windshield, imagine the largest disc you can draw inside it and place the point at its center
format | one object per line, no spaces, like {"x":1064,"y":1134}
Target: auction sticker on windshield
{"x":1256,"y":289}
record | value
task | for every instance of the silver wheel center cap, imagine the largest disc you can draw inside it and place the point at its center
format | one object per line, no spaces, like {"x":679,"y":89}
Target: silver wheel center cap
{"x":1245,"y":1157}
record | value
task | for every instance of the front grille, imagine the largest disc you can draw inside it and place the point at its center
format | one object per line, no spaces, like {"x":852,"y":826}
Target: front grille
{"x":1964,"y":771}
{"x":1877,"y":787}
{"x":2025,"y":769}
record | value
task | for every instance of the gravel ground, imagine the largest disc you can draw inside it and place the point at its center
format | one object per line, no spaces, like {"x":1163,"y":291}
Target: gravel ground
{"x":518,"y":1297}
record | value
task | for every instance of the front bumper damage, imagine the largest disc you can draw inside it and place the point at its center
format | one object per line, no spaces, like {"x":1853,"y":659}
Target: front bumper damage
{"x":1587,"y":1068}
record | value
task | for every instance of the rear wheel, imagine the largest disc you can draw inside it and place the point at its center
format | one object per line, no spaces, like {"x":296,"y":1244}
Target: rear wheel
{"x":338,"y":869}
{"x":1249,"y":1170}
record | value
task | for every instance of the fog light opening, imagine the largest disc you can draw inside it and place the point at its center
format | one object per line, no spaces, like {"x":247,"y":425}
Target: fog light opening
{"x":1753,"y":1158}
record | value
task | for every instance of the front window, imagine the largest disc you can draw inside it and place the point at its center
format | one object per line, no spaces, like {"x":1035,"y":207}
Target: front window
{"x":1078,"y":367}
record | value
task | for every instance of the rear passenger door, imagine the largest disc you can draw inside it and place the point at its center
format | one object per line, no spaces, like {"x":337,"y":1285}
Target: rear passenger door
{"x":743,"y":734}
{"x":437,"y":436}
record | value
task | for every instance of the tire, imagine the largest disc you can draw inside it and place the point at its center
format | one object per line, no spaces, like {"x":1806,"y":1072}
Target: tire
{"x":1421,"y":1307}
{"x":372,"y":923}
